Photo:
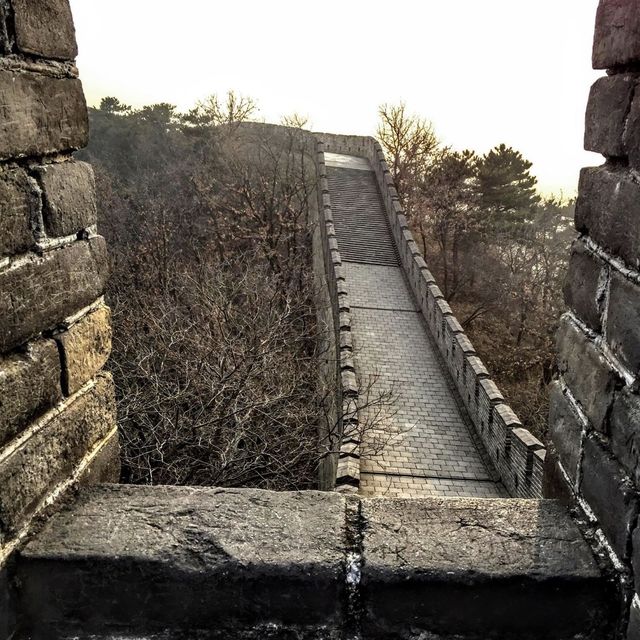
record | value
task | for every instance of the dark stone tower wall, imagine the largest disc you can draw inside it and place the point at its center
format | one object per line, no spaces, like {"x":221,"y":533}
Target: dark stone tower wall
{"x":595,"y":410}
{"x":57,"y":415}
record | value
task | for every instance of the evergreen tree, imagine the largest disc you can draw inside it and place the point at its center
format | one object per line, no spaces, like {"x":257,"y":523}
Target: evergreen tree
{"x":507,"y":188}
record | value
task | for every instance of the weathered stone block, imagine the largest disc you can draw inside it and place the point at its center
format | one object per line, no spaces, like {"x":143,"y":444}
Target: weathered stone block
{"x":105,"y":467}
{"x":623,"y":320}
{"x":610,"y":494}
{"x":507,"y":416}
{"x":582,"y":286}
{"x":31,"y":471}
{"x":632,"y":132}
{"x":590,"y":378}
{"x":607,"y":111}
{"x":554,"y":483}
{"x":150,"y":558}
{"x":478,"y":568}
{"x":633,"y":629}
{"x":40,"y":114}
{"x":29,"y":385}
{"x":69,"y":195}
{"x":19,"y":205}
{"x":86,"y":347}
{"x":608,"y":209}
{"x":40,"y":292}
{"x":45,"y":28}
{"x":617,"y":38}
{"x":625,"y":432}
{"x":565,"y":430}
{"x":7,"y":612}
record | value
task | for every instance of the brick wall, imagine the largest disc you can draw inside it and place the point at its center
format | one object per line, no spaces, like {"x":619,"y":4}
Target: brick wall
{"x":595,"y":410}
{"x":517,"y":455}
{"x":341,"y":470}
{"x":57,"y":417}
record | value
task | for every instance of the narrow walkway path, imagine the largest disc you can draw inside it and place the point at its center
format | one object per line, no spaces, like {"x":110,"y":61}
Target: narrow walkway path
{"x":430,"y":448}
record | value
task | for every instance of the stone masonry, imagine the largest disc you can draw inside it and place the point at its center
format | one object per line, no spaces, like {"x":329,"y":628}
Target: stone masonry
{"x":449,"y":431}
{"x":431,"y":448}
{"x":184,"y":563}
{"x":57,"y":414}
{"x":594,"y":458}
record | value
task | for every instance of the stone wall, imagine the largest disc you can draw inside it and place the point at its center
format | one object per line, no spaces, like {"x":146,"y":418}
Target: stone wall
{"x":57,"y":416}
{"x":594,"y":459}
{"x":230,"y":564}
{"x":516,"y":454}
{"x":341,"y":470}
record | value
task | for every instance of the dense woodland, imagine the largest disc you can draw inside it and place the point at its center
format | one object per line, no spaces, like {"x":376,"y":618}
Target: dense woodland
{"x":215,"y":333}
{"x":497,"y":248}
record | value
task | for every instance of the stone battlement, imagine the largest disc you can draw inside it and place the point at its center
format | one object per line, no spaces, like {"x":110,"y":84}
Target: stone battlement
{"x":516,"y":454}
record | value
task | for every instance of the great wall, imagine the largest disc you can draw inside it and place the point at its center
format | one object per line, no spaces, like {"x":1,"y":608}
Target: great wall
{"x":464,"y":527}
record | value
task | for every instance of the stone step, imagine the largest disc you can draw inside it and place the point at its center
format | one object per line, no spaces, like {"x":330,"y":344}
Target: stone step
{"x":169,"y":563}
{"x":361,"y":223}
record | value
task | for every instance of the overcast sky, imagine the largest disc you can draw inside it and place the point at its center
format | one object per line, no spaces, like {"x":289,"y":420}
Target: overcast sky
{"x":483,"y":71}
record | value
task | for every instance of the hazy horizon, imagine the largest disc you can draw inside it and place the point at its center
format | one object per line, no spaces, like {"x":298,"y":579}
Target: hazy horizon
{"x":482,"y":73}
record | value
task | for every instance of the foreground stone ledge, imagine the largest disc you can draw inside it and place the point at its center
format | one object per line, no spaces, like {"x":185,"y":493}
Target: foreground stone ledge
{"x":29,"y":385}
{"x":148,"y":558}
{"x":52,"y":453}
{"x":245,"y":563}
{"x":40,"y":115}
{"x":480,"y":569}
{"x":45,"y":28}
{"x":42,"y":291}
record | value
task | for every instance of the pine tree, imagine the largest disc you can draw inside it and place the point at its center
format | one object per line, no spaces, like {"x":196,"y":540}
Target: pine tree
{"x":508,"y":190}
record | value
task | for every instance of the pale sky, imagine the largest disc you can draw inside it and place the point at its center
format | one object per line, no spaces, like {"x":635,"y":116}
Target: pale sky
{"x":483,"y":71}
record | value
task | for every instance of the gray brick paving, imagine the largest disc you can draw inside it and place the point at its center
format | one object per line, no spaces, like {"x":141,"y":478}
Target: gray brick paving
{"x":430,"y":448}
{"x":418,"y":487}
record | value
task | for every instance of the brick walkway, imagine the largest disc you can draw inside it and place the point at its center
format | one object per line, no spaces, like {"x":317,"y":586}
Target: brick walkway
{"x":425,"y":445}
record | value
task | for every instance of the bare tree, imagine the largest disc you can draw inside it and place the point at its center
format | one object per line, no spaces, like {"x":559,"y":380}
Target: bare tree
{"x":409,"y":143}
{"x":216,"y":342}
{"x":296,"y":120}
{"x":215,"y":111}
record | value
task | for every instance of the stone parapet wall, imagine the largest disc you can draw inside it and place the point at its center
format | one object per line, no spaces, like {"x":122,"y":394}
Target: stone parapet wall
{"x":516,"y":454}
{"x":594,"y":455}
{"x":194,"y":562}
{"x":345,"y":465}
{"x":57,"y":413}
